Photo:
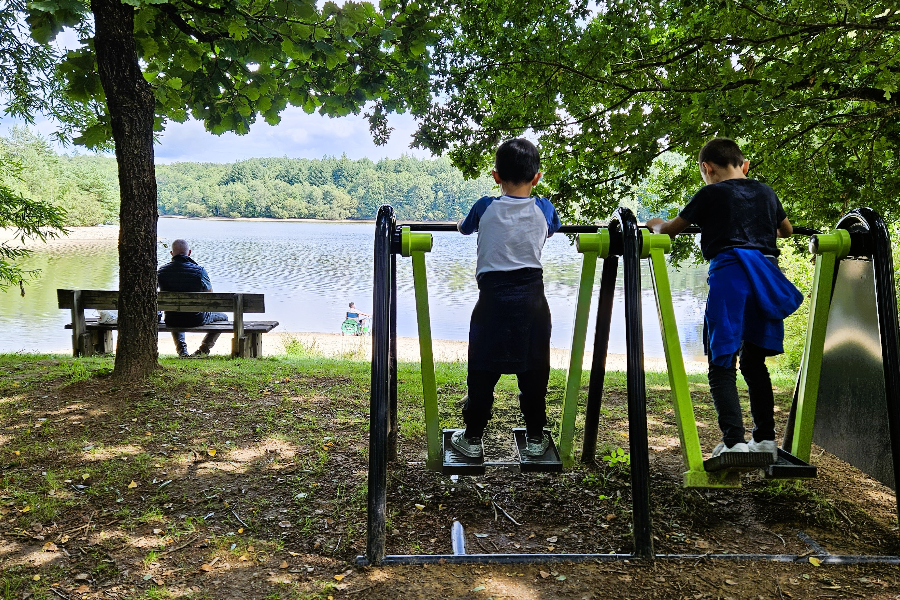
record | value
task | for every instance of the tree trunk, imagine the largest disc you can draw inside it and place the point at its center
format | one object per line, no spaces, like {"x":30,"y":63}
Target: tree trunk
{"x":130,"y":102}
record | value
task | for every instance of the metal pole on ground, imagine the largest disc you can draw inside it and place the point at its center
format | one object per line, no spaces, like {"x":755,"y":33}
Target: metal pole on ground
{"x":637,"y":396}
{"x":379,"y":399}
{"x":598,"y":361}
{"x":394,"y":425}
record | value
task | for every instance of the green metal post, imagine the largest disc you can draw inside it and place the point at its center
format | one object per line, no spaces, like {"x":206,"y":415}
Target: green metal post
{"x":415,"y":245}
{"x":655,"y":247}
{"x":829,"y":247}
{"x":592,"y":245}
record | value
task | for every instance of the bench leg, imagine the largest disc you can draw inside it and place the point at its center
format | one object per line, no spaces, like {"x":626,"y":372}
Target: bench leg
{"x":85,"y":345}
{"x":240,"y":347}
{"x":255,"y":345}
{"x":102,"y":341}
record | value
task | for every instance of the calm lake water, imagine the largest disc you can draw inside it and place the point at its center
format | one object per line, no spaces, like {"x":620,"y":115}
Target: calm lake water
{"x":310,"y":271}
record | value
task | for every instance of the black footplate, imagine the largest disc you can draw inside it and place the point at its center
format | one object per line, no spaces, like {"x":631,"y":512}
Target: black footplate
{"x":738,"y":461}
{"x":790,"y":467}
{"x":548,"y":463}
{"x":457,"y":463}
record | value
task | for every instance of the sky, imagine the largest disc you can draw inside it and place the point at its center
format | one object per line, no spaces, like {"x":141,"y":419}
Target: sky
{"x":299,"y":135}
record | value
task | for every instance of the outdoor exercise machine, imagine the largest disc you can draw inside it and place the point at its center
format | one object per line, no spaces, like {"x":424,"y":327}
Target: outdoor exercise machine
{"x":623,"y":239}
{"x":724,"y":471}
{"x":442,"y":456}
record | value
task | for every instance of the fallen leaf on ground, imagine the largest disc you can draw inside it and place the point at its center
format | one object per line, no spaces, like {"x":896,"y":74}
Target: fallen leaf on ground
{"x":82,"y":589}
{"x":544,"y":574}
{"x":36,"y":578}
{"x":420,"y":506}
{"x":132,"y":485}
{"x":240,"y":530}
{"x":82,"y":577}
{"x":157,"y":531}
{"x":561,"y":578}
{"x":284,"y":564}
{"x":338,"y":577}
{"x":206,"y":567}
{"x":478,"y":589}
{"x":50,"y":547}
{"x":814,"y":561}
{"x":16,"y":452}
{"x":25,"y":509}
{"x":211,"y":451}
{"x":731,"y":582}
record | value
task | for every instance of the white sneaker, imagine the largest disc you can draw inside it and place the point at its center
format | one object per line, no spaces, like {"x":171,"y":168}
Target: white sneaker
{"x":764,"y":446}
{"x":722,"y":448}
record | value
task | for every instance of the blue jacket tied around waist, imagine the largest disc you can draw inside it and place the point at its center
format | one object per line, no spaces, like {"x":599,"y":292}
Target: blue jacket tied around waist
{"x":749,"y":298}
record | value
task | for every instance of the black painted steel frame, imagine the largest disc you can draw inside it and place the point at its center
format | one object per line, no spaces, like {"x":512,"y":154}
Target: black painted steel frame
{"x":625,"y":241}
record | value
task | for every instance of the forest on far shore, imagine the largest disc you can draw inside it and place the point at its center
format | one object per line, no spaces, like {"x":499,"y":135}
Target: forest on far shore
{"x":86,"y":186}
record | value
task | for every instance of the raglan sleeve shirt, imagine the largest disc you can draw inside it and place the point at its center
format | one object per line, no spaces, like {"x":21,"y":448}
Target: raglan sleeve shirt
{"x":469,"y":225}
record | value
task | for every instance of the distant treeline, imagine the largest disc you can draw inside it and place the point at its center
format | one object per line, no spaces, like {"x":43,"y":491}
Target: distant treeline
{"x":281,"y":188}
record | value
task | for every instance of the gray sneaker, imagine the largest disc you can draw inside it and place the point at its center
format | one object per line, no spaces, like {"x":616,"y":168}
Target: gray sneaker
{"x":471,"y":447}
{"x":722,"y":448}
{"x":536,"y":447}
{"x":767,"y":446}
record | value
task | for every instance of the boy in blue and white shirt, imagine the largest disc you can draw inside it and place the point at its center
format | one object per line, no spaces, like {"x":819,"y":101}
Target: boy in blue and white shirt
{"x":510,"y":327}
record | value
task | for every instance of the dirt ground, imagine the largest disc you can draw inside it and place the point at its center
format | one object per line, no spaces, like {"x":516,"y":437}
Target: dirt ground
{"x":229,"y":479}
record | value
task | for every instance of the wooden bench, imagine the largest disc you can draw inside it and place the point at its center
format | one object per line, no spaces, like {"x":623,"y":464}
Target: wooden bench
{"x":91,"y":337}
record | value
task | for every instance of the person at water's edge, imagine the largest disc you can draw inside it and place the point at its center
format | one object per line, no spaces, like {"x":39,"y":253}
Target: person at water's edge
{"x":183,"y":274}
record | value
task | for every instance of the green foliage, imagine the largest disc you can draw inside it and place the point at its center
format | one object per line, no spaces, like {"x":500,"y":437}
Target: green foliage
{"x":227,"y":64}
{"x":809,"y":89}
{"x":618,"y":458}
{"x":330,"y":188}
{"x":27,"y":218}
{"x":85,"y":188}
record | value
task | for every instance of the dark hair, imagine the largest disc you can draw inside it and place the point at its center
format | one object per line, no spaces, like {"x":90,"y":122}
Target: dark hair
{"x":723,"y":152}
{"x":517,"y":161}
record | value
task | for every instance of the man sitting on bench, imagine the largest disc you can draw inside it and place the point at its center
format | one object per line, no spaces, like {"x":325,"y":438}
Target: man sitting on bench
{"x":185,"y":275}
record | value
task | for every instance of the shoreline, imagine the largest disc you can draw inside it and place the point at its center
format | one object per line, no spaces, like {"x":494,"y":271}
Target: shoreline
{"x":335,"y":345}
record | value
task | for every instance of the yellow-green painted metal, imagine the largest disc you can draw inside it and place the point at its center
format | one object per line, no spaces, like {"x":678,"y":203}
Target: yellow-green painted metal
{"x":655,"y":247}
{"x":415,"y":245}
{"x":592,"y":245}
{"x":829,"y":247}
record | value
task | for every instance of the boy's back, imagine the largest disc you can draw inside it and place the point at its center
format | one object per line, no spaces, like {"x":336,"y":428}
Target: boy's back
{"x":511,"y":231}
{"x":736,"y":213}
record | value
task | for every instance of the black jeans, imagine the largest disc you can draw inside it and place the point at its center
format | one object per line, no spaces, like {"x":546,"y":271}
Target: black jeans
{"x":723,"y":387}
{"x":532,"y":400}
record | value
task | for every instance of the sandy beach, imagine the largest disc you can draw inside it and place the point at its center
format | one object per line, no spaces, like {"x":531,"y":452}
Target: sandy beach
{"x":360,"y":348}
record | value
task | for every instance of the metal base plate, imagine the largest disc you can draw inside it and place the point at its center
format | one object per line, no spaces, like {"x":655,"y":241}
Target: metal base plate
{"x":790,"y":467}
{"x":456,"y":463}
{"x":733,"y":461}
{"x":548,"y":463}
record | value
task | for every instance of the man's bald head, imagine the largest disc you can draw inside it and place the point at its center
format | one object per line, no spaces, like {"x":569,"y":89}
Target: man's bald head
{"x":180,"y":247}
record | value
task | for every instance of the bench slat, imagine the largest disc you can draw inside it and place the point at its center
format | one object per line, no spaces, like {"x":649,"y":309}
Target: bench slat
{"x":222,"y":326}
{"x":173,"y":301}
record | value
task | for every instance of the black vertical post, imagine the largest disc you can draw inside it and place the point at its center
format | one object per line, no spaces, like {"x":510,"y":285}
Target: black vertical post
{"x":379,"y":399}
{"x":637,"y":396}
{"x":394,"y":424}
{"x":885,"y":298}
{"x":598,"y":361}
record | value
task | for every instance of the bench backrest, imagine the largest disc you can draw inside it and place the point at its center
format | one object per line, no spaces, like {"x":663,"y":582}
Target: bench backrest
{"x":174,"y":301}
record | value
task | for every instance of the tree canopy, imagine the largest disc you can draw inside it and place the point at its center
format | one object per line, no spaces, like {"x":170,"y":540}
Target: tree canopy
{"x":808,"y":87}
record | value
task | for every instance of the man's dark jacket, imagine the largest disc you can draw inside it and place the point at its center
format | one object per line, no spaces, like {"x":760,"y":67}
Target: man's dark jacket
{"x":183,"y":275}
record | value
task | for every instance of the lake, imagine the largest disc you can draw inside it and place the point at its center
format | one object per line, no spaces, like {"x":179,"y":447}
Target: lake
{"x":310,"y":271}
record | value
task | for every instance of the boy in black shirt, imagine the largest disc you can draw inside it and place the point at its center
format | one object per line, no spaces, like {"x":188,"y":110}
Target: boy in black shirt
{"x":749,"y":297}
